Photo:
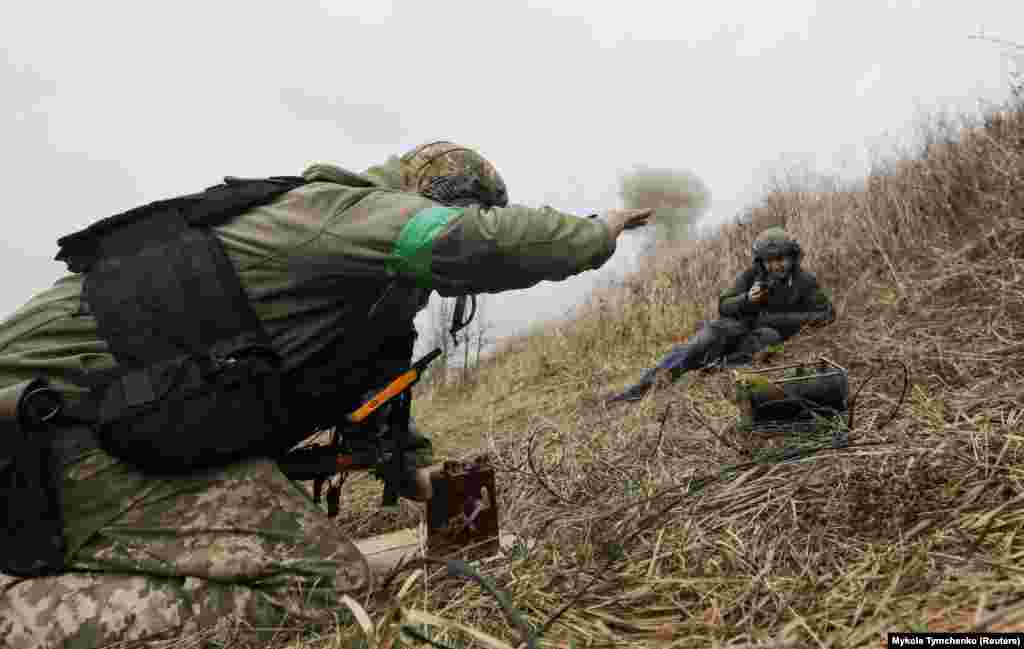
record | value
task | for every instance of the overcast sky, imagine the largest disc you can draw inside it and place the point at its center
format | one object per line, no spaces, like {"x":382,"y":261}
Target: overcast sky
{"x":111,"y":104}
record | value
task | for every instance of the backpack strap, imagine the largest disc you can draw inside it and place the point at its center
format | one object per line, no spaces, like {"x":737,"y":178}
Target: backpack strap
{"x":210,"y":208}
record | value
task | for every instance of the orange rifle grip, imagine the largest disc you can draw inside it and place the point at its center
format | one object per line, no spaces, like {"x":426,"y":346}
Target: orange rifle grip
{"x":394,"y":389}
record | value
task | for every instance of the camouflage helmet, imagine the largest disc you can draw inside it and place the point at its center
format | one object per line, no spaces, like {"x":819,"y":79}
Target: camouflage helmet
{"x":774,"y":242}
{"x":452,"y":174}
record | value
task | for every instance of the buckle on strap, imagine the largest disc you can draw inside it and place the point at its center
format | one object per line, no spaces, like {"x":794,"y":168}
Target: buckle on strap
{"x":459,"y":319}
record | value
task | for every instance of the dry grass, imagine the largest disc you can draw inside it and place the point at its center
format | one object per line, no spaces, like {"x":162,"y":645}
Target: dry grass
{"x":644,"y":536}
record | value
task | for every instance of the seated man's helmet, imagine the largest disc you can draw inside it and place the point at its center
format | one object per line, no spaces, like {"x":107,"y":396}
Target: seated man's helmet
{"x":774,"y":242}
{"x":452,"y":175}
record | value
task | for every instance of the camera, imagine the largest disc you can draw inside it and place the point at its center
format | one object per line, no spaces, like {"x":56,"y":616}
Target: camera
{"x":769,"y":284}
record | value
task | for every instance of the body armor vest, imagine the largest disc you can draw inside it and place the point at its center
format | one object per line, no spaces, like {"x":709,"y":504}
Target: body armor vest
{"x":197,"y":382}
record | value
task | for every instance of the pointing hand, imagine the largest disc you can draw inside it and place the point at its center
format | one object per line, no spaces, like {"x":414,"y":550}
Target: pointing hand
{"x":619,"y":220}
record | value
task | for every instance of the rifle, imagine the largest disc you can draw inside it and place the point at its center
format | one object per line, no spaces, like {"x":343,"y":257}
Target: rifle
{"x":462,"y":506}
{"x":359,"y":445}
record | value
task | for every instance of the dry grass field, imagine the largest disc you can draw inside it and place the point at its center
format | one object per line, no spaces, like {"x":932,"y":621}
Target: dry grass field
{"x":658,"y":524}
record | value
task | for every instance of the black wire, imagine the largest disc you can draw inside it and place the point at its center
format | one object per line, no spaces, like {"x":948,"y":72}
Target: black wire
{"x":536,"y":473}
{"x":14,"y":583}
{"x":903,"y":394}
{"x":458,"y":568}
{"x":899,"y":403}
{"x":661,"y":432}
{"x":416,"y":635}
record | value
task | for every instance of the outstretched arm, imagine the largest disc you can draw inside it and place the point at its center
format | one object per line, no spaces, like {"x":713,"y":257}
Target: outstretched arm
{"x":373,"y":233}
{"x":491,"y":250}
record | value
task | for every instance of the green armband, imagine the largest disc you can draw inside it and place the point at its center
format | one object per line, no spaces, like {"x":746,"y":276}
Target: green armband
{"x":412,"y":253}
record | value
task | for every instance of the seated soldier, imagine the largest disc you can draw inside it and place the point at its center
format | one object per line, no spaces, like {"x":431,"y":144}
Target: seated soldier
{"x":312,"y":293}
{"x":769,"y":303}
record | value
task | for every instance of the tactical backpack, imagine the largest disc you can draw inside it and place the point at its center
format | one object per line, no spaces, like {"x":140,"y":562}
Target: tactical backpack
{"x":197,"y":382}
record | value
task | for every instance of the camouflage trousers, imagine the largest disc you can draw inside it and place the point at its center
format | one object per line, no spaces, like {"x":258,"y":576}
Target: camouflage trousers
{"x":149,"y":557}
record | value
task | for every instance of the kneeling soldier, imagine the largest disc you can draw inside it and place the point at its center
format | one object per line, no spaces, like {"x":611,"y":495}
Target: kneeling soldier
{"x":195,"y":342}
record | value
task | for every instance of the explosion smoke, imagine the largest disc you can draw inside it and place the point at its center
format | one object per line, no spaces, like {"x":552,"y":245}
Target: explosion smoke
{"x":678,"y":197}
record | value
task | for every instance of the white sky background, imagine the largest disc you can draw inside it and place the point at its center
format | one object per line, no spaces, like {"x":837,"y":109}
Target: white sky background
{"x":107,"y":105}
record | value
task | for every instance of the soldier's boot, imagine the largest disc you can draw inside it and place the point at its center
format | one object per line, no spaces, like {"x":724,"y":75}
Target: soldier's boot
{"x":636,"y":391}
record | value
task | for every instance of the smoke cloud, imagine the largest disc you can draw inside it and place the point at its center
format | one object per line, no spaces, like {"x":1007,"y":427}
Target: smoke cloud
{"x":678,"y":197}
